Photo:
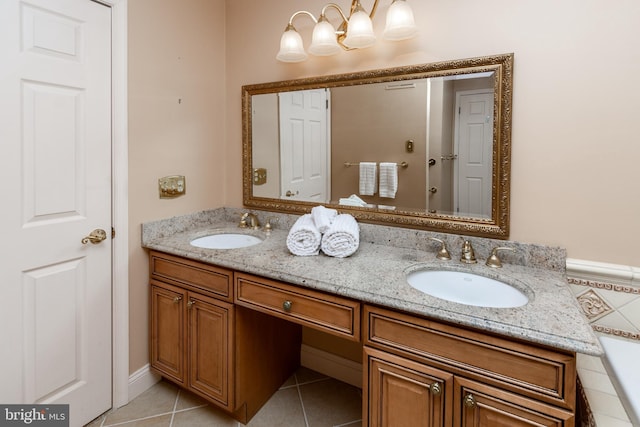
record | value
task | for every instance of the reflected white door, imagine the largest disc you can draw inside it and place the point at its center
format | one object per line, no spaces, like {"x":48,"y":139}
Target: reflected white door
{"x":304,"y":145}
{"x":474,"y":144}
{"x":55,"y":131}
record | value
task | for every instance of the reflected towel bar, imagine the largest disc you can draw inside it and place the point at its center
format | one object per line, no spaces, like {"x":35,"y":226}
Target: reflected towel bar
{"x":403,"y":165}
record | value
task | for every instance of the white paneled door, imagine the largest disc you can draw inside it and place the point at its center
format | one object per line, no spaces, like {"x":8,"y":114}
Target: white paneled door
{"x":474,"y":148}
{"x":304,"y":145}
{"x":55,"y":135}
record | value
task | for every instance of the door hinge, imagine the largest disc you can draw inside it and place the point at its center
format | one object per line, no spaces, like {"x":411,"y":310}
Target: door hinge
{"x":113,"y":233}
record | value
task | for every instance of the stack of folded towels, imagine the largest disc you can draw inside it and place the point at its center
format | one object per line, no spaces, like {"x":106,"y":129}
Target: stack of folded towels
{"x":337,"y":235}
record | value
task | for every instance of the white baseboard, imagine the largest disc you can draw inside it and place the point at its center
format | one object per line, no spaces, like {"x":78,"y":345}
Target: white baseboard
{"x":331,"y":365}
{"x":140,"y":381}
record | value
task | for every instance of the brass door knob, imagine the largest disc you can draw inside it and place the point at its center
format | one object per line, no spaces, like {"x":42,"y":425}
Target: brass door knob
{"x":96,"y":236}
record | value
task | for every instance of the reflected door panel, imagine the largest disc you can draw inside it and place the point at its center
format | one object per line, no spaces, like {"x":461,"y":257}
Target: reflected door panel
{"x":303,"y":145}
{"x":474,"y":154}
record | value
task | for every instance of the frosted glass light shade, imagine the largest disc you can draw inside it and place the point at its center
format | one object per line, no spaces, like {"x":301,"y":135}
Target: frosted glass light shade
{"x":400,"y":23}
{"x":324,"y":42}
{"x":359,"y":31}
{"x":291,"y":48}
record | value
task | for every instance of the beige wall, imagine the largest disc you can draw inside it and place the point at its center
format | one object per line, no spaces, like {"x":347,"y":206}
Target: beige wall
{"x":176,"y":127}
{"x":575,"y":150}
{"x":371,"y":134}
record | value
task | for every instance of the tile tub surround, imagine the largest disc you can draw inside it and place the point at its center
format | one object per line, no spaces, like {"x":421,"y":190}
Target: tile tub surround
{"x":376,"y":274}
{"x":621,"y":361}
{"x":605,"y":408}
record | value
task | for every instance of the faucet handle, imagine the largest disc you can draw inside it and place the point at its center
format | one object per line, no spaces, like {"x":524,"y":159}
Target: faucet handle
{"x":443,"y":253}
{"x":268,"y":227}
{"x":468,"y":256}
{"x":243,"y":220}
{"x":493,"y":260}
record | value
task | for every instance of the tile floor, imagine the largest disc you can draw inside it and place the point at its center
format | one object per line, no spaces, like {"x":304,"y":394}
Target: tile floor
{"x":307,"y":399}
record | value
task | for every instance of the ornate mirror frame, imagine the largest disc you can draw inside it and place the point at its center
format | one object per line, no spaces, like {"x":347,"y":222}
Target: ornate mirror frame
{"x":495,"y":227}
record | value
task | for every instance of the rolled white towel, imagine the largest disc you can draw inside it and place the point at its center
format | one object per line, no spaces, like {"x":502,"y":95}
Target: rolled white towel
{"x":342,"y":238}
{"x":323,"y":217}
{"x":304,"y":238}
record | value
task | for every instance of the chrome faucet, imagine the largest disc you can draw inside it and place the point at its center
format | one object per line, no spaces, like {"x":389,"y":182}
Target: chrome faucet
{"x":468,"y":256}
{"x":250,"y":220}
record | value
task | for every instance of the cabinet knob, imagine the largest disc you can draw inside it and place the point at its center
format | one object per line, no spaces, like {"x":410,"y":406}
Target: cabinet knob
{"x":177,"y":299}
{"x":469,"y":401}
{"x":286,"y":306}
{"x":436,"y":389}
{"x":190,"y":303}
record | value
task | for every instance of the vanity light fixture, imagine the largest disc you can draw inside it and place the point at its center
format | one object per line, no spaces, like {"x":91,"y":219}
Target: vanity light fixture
{"x":355,"y":31}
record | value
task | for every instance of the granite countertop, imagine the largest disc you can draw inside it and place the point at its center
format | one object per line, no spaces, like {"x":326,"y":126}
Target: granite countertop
{"x":376,"y":274}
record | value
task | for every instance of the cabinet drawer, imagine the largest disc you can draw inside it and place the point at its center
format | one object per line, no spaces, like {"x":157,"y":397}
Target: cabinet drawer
{"x":537,"y":372}
{"x":193,"y":275}
{"x":335,"y":315}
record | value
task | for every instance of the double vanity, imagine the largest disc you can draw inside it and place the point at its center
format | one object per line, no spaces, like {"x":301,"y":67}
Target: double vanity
{"x":228,"y":305}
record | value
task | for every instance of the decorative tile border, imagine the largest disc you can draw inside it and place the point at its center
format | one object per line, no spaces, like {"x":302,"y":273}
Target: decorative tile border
{"x":605,"y":286}
{"x":616,"y":332}
{"x":593,"y":305}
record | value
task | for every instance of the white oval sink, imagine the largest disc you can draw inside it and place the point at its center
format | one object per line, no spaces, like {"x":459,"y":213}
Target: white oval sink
{"x":226,"y":241}
{"x":466,"y":288}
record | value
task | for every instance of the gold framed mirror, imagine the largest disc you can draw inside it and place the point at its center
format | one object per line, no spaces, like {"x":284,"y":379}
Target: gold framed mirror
{"x":437,"y":137}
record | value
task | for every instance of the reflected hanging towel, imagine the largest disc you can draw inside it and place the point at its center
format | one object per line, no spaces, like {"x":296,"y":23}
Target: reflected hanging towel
{"x":368,"y":178}
{"x":388,"y":180}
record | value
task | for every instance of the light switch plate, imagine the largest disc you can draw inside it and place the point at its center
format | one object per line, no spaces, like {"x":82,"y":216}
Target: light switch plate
{"x":172,"y":186}
{"x":259,"y":176}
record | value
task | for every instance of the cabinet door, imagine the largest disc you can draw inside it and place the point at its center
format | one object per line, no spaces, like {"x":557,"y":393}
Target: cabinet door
{"x":479,"y":405}
{"x":168,"y":330}
{"x":404,"y":393}
{"x":210,"y":348}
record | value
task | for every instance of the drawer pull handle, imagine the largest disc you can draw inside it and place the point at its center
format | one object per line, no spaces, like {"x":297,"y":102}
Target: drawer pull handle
{"x":469,"y":401}
{"x":177,"y":300}
{"x":190,"y":303}
{"x":286,"y":306}
{"x":435,"y":389}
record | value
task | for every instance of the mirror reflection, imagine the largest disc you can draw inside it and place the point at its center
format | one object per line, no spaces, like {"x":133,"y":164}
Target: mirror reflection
{"x":424,"y":148}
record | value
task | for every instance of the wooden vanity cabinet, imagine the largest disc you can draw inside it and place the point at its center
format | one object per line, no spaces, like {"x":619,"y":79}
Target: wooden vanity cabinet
{"x":401,"y":392}
{"x":425,"y":373}
{"x":233,"y":357}
{"x":192,"y":341}
{"x":234,"y":338}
